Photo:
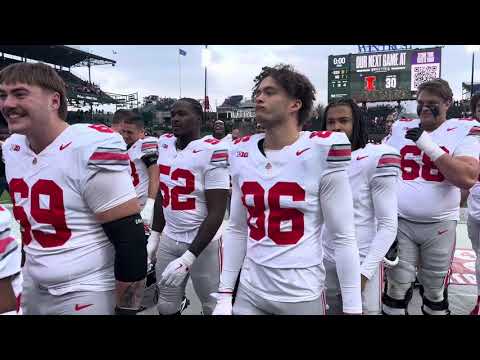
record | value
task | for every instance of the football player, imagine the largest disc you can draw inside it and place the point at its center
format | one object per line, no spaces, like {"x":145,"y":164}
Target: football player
{"x":373,"y":174}
{"x":10,"y":270}
{"x":73,"y":196}
{"x":189,"y":210}
{"x":438,"y":158}
{"x":473,"y":221}
{"x":219,"y":132}
{"x":286,"y":184}
{"x":117,"y":120}
{"x":143,"y":153}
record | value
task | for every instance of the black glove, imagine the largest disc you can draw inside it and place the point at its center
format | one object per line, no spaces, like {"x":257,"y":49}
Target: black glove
{"x":414,"y":134}
{"x":392,"y":253}
{"x":391,"y":259}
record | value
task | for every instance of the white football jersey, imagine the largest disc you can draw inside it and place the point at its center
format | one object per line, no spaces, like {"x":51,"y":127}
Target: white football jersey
{"x":367,"y":163}
{"x":424,"y":195}
{"x":281,"y":192}
{"x":184,"y":177}
{"x":66,"y":247}
{"x":473,"y":201}
{"x":142,"y":147}
{"x":10,"y":254}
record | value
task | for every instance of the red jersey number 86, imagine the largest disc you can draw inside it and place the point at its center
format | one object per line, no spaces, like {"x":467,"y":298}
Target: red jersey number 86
{"x":277,"y":214}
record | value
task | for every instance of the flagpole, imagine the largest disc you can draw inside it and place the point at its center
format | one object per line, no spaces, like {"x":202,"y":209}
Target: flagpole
{"x":179,"y":75}
{"x":205,"y":98}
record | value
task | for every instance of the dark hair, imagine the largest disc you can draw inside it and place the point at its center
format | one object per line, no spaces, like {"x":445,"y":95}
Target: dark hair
{"x":37,"y":74}
{"x":195,"y":104}
{"x":121,"y":115}
{"x":359,"y":131}
{"x":295,"y":84}
{"x":136,"y":120}
{"x":437,"y":87}
{"x":474,"y":102}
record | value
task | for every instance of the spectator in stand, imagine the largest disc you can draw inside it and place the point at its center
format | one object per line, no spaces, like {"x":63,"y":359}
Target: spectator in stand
{"x":235,"y":133}
{"x":475,"y":106}
{"x":389,"y":123}
{"x":246,"y":128}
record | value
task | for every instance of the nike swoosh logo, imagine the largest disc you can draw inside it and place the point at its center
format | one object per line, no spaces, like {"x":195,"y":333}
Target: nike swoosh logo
{"x":300,"y":152}
{"x":80,"y":307}
{"x":62,"y":147}
{"x":442,"y":232}
{"x":450,"y":129}
{"x":361,"y":157}
{"x":196,"y":151}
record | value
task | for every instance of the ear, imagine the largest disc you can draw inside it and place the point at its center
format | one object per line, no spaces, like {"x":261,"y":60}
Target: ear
{"x":296,"y":105}
{"x":55,"y":101}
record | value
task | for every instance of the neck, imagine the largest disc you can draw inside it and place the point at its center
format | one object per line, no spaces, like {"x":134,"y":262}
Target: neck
{"x":218,"y":136}
{"x":46,"y":135}
{"x":183,"y":141}
{"x":280,"y":136}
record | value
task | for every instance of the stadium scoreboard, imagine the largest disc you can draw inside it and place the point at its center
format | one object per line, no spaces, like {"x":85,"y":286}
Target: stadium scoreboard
{"x":382,"y":76}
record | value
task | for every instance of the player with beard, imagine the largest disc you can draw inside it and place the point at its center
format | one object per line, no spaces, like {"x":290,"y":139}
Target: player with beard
{"x":373,"y":173}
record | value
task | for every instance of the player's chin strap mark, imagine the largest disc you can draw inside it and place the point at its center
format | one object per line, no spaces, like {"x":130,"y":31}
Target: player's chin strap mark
{"x":433,"y":109}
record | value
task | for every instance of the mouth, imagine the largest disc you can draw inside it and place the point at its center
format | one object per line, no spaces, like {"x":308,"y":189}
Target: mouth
{"x":13,"y":115}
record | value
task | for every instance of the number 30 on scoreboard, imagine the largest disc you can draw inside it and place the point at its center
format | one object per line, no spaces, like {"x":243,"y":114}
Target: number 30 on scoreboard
{"x":391,"y":82}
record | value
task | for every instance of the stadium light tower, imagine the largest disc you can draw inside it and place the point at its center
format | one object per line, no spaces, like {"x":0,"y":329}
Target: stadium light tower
{"x":205,"y":63}
{"x":472,"y":49}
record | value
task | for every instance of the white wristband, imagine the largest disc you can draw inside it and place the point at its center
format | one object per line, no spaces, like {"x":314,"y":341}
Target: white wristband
{"x":189,"y":258}
{"x":429,"y":147}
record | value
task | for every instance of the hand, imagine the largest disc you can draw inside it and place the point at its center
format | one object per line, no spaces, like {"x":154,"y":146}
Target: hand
{"x":176,"y":272}
{"x":224,"y":303}
{"x":414,"y":134}
{"x":152,"y":245}
{"x":364,"y":280}
{"x":147,"y":212}
{"x":425,"y":143}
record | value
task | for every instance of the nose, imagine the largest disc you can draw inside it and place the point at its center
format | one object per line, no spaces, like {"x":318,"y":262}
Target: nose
{"x":258,"y":98}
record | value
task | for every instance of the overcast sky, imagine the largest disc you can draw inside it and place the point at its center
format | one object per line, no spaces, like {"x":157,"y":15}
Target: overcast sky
{"x":154,"y":70}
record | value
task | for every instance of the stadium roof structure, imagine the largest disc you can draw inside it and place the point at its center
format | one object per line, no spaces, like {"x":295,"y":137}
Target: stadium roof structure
{"x":60,"y":55}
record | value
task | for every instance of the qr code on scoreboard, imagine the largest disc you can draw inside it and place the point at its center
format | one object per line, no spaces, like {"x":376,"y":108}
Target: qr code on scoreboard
{"x":422,"y":73}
